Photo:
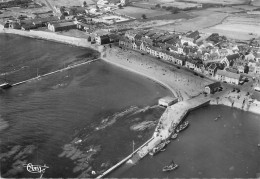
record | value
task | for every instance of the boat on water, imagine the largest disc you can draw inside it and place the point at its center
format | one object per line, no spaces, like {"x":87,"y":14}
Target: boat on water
{"x":170,"y":167}
{"x":5,"y":85}
{"x":182,"y":126}
{"x":174,"y":136}
{"x":157,"y":149}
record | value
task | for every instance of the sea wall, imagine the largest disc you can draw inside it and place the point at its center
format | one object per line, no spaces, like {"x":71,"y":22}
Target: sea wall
{"x":50,"y":36}
{"x":253,"y":107}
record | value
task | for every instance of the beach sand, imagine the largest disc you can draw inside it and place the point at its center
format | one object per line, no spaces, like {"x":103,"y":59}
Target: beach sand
{"x":181,"y":83}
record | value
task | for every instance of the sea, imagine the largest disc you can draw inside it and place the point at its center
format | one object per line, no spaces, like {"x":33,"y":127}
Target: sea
{"x":88,"y":118}
{"x":76,"y":121}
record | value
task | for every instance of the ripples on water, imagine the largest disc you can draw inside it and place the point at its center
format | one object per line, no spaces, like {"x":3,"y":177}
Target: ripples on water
{"x":74,"y":121}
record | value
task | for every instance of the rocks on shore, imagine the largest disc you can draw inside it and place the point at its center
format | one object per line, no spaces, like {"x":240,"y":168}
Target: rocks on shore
{"x":143,"y":125}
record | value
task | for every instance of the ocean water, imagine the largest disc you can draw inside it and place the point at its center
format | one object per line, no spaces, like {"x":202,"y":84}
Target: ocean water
{"x":226,"y":148}
{"x":75,"y":121}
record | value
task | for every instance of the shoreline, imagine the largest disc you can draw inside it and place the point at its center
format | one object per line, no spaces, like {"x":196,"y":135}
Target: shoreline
{"x":144,"y":65}
{"x":111,"y":57}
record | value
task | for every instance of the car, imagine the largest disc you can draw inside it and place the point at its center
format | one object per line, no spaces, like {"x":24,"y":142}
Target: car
{"x":202,"y":76}
{"x":238,"y":90}
{"x":233,"y":90}
{"x":246,"y":80}
{"x":195,"y":74}
{"x":247,"y":93}
{"x":178,"y":67}
{"x":142,"y":53}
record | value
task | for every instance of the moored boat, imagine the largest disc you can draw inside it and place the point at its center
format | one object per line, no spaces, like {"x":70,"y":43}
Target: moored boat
{"x":182,"y":126}
{"x":170,"y":167}
{"x":157,"y":149}
{"x":174,"y":136}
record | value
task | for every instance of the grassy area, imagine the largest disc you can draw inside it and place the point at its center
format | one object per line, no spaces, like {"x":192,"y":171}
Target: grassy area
{"x":201,"y":20}
{"x":138,"y":12}
{"x":239,"y":26}
{"x":225,"y":2}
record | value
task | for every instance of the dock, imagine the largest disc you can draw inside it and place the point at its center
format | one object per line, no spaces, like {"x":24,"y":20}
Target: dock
{"x":51,"y":73}
{"x":164,"y":129}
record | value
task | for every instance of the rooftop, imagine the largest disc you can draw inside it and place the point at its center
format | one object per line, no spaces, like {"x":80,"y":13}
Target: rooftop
{"x":228,"y":74}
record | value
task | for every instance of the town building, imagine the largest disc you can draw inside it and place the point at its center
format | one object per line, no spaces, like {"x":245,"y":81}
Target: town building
{"x":191,"y":64}
{"x":212,"y":88}
{"x":230,"y":59}
{"x":102,"y":39}
{"x":167,"y":101}
{"x":228,"y":77}
{"x":54,"y":27}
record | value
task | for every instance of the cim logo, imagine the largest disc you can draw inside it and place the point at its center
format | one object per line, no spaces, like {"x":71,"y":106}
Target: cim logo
{"x":35,"y":168}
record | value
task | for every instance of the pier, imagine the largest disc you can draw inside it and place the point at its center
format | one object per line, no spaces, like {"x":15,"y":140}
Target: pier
{"x":173,"y":114}
{"x":50,"y":73}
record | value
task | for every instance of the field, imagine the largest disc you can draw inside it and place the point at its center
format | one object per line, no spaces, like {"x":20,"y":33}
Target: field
{"x":67,"y":3}
{"x":152,"y":3}
{"x":138,"y":12}
{"x":242,"y":27}
{"x":256,"y":3}
{"x":202,"y":19}
{"x":218,"y":1}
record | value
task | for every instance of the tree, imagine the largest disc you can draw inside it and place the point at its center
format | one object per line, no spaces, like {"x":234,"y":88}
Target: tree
{"x":144,"y":16}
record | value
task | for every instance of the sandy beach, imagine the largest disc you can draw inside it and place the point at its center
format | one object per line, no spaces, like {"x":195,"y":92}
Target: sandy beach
{"x":181,"y":83}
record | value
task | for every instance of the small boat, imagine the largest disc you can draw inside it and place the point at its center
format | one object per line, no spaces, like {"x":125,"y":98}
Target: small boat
{"x":182,"y":126}
{"x":174,"y":136}
{"x":170,"y":167}
{"x":167,"y":142}
{"x":157,"y":149}
{"x":5,"y":85}
{"x":162,"y":150}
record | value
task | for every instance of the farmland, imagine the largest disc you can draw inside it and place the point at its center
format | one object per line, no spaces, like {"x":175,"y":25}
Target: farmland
{"x":137,"y":12}
{"x":201,"y":20}
{"x":243,"y":27}
{"x":225,"y":2}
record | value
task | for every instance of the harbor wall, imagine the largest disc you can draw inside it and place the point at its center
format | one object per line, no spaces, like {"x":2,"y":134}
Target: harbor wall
{"x":51,"y":36}
{"x":124,"y":160}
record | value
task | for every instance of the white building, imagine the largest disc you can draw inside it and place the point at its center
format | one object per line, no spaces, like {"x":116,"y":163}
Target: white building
{"x":167,"y":101}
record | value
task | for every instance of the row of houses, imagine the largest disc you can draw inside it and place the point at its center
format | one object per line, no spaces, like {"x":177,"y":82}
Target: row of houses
{"x":174,"y":56}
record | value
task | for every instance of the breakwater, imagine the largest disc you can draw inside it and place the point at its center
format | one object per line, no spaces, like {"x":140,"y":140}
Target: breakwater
{"x":51,"y":73}
{"x":173,"y":114}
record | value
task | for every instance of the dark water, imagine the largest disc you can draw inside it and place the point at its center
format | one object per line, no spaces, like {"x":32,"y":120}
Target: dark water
{"x":75,"y":121}
{"x":226,"y":148}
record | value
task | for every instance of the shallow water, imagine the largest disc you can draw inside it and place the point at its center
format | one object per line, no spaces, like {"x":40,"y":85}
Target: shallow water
{"x":74,"y":121}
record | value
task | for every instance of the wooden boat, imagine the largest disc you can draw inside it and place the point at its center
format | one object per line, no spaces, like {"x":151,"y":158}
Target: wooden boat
{"x":174,"y":136}
{"x":170,"y":167}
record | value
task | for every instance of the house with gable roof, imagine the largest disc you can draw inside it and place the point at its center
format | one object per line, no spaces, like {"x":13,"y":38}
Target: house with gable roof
{"x":229,"y":60}
{"x":191,"y":38}
{"x":229,"y":77}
